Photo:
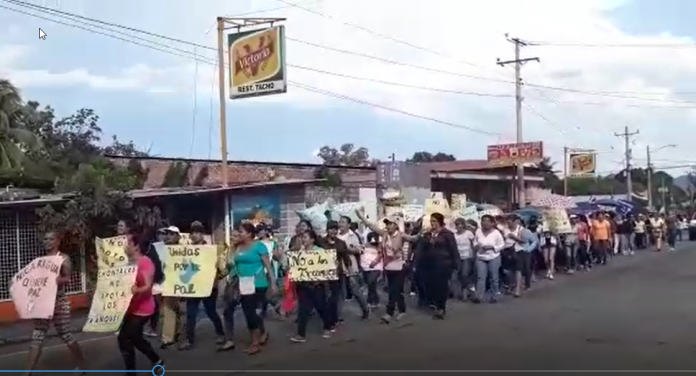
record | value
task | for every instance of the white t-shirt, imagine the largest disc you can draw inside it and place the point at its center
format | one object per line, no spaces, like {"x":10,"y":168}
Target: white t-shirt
{"x":493,"y":239}
{"x":465,"y":242}
{"x":640,"y":227}
{"x":352,"y":241}
{"x":369,"y":255}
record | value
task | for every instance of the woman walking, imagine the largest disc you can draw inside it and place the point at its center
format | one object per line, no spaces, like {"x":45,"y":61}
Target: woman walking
{"x":255,"y":274}
{"x":312,"y":296}
{"x":61,"y":313}
{"x":370,"y":262}
{"x":441,"y":260}
{"x":141,"y":308}
{"x":489,"y":242}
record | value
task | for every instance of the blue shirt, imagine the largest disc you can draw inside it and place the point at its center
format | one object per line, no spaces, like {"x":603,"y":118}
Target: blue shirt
{"x":529,"y":240}
{"x":249,"y":263}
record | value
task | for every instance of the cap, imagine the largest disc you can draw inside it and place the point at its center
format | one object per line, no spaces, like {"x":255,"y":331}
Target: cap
{"x":173,"y":229}
{"x":197,"y":226}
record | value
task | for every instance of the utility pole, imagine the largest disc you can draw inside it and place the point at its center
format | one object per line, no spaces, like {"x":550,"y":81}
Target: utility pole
{"x":663,"y":192}
{"x":650,"y":187}
{"x":627,"y":151}
{"x":518,"y":61}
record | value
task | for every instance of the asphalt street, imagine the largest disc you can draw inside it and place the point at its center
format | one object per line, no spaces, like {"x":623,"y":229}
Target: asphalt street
{"x":634,"y":314}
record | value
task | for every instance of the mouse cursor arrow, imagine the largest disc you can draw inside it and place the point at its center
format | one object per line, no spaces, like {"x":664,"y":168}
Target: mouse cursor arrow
{"x":42,"y":35}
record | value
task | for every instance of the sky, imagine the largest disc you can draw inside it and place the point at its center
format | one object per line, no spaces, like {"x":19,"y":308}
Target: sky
{"x":428,"y":76}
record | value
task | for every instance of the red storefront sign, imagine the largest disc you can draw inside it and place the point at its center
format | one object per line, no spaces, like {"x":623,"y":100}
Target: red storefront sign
{"x":511,"y":154}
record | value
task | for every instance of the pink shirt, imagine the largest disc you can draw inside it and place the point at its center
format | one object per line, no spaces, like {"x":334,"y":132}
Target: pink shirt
{"x":143,"y":304}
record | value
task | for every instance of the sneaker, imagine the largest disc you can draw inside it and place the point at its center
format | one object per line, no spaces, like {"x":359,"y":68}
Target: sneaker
{"x":220,"y":340}
{"x":439,"y":315}
{"x":158,"y":371}
{"x":365,"y":315}
{"x":186,"y":346}
{"x":400,"y":316}
{"x":298,"y":339}
{"x":150,"y":333}
{"x":386,"y":319}
{"x":550,"y":276}
{"x":326,"y":334}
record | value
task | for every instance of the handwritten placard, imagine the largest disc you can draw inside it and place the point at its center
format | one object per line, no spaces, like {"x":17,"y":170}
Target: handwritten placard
{"x":111,"y":252}
{"x":189,"y":270}
{"x":458,"y":202}
{"x":311,"y":266}
{"x":34,"y":288}
{"x":412,"y":212}
{"x":556,"y":220}
{"x":111,"y":299}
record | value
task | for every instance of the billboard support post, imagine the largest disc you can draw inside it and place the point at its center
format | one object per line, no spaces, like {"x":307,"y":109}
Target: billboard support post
{"x":244,"y":27}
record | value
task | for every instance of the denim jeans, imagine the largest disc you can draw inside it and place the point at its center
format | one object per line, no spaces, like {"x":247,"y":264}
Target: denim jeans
{"x":464,"y":277}
{"x":486,"y":269}
{"x":210,"y":307}
{"x":352,"y":283}
{"x":571,"y":253}
{"x":371,"y":278}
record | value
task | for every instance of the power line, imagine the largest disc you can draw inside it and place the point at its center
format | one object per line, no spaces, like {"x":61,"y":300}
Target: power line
{"x":613,"y":45}
{"x":616,"y":95}
{"x":187,"y":54}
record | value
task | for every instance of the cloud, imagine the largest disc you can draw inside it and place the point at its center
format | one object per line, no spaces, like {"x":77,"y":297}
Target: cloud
{"x":463,"y":37}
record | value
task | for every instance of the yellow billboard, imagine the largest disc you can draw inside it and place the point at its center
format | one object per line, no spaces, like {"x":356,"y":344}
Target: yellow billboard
{"x":582,"y":164}
{"x":257,"y":62}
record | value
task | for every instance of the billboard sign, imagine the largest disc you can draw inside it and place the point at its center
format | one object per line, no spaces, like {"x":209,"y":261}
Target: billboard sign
{"x":512,"y":154}
{"x":582,"y":164}
{"x":257,"y":62}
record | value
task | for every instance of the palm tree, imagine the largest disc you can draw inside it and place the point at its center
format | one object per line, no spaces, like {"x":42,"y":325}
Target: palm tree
{"x":14,"y":138}
{"x":546,"y":167}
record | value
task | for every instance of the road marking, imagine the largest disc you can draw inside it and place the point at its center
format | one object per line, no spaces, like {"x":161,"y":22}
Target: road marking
{"x":56,"y":346}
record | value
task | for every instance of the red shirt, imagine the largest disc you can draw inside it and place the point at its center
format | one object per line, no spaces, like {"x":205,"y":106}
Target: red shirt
{"x":143,"y":304}
{"x":582,"y":231}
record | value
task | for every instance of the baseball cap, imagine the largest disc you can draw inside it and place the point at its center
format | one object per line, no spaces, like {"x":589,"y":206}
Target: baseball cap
{"x":173,"y":229}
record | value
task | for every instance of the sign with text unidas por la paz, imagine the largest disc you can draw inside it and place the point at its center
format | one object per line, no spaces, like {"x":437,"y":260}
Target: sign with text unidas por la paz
{"x":312,"y":266}
{"x":111,"y":252}
{"x":257,"y":62}
{"x":111,"y":299}
{"x":189,"y":270}
{"x":34,"y":288}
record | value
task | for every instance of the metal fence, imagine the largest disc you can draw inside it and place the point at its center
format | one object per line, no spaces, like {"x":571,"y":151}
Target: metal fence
{"x":20,"y":243}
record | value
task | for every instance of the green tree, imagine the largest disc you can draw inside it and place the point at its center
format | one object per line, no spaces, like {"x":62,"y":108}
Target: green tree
{"x":15,"y":139}
{"x":424,"y":157}
{"x":346,"y":155}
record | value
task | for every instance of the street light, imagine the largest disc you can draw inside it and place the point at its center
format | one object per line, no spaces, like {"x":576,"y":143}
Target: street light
{"x":650,"y":170}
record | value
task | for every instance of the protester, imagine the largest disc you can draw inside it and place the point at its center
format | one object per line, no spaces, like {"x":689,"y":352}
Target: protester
{"x":171,"y":311}
{"x":311,"y":296}
{"x":639,"y":229}
{"x":209,"y":303}
{"x":255,"y":273}
{"x":440,"y":260}
{"x":351,"y":269}
{"x":624,"y":229}
{"x":657,"y":224}
{"x":392,"y":258}
{"x":601,"y":233}
{"x":372,"y":268}
{"x":264,"y":234}
{"x":489,"y":242}
{"x":151,"y":328}
{"x":549,"y":244}
{"x":231,"y":292}
{"x":61,"y":313}
{"x":581,"y":231}
{"x":141,"y":308}
{"x":464,"y":276}
{"x":525,"y":243}
{"x":124,"y":227}
{"x":331,"y":241}
{"x":672,"y":227}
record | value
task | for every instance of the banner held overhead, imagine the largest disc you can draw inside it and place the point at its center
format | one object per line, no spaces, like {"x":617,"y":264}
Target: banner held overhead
{"x":257,"y":62}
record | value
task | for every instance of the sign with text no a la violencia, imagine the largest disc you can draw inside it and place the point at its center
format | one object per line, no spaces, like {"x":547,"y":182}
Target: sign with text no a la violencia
{"x":257,"y":62}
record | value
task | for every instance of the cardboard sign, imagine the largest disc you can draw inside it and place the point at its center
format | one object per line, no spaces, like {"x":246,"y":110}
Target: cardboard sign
{"x":458,"y":202}
{"x":34,"y":288}
{"x":556,"y":220}
{"x":111,"y":252}
{"x":311,"y":266}
{"x":111,"y":299}
{"x":189,"y":270}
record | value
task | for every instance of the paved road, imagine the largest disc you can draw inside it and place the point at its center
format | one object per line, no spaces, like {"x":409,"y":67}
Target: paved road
{"x":635,"y":314}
